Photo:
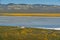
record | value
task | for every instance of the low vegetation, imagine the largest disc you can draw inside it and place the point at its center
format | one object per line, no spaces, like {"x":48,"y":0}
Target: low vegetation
{"x":17,"y":33}
{"x":31,"y":14}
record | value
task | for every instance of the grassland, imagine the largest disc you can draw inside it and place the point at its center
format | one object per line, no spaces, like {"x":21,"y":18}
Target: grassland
{"x":31,"y":14}
{"x":17,"y":33}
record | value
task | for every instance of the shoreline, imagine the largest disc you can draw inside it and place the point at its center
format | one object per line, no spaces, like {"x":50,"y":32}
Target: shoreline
{"x":33,"y":27}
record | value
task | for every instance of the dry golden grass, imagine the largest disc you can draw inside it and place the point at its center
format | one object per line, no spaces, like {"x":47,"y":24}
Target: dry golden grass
{"x":17,"y":33}
{"x":31,"y":14}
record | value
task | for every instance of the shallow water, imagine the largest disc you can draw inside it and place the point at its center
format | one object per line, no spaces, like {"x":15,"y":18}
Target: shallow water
{"x":49,"y":22}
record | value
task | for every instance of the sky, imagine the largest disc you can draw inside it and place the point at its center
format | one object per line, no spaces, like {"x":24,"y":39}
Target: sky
{"x":50,"y":2}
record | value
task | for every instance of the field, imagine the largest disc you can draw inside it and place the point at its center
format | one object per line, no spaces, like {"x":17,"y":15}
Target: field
{"x":17,"y":33}
{"x":31,"y":14}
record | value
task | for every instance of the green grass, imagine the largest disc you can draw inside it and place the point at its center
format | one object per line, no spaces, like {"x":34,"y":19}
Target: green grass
{"x":16,"y":33}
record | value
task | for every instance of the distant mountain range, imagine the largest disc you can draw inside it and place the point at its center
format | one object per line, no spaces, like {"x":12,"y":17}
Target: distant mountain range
{"x":40,"y":8}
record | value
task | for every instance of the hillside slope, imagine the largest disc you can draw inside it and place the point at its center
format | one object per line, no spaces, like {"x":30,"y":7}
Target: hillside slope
{"x":28,"y":8}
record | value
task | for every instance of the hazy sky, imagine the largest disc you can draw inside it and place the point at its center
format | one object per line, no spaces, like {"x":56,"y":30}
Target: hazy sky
{"x":55,"y":2}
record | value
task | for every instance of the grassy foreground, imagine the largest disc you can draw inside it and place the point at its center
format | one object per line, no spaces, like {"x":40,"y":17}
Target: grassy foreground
{"x":17,"y":33}
{"x":31,"y":14}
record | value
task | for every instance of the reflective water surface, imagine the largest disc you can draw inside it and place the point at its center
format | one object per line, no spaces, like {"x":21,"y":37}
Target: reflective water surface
{"x":49,"y":22}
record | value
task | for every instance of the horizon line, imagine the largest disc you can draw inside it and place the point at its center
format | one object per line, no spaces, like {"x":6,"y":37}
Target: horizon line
{"x":30,"y":3}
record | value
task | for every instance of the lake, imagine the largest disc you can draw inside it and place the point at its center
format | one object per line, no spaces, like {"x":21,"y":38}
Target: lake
{"x":49,"y":22}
